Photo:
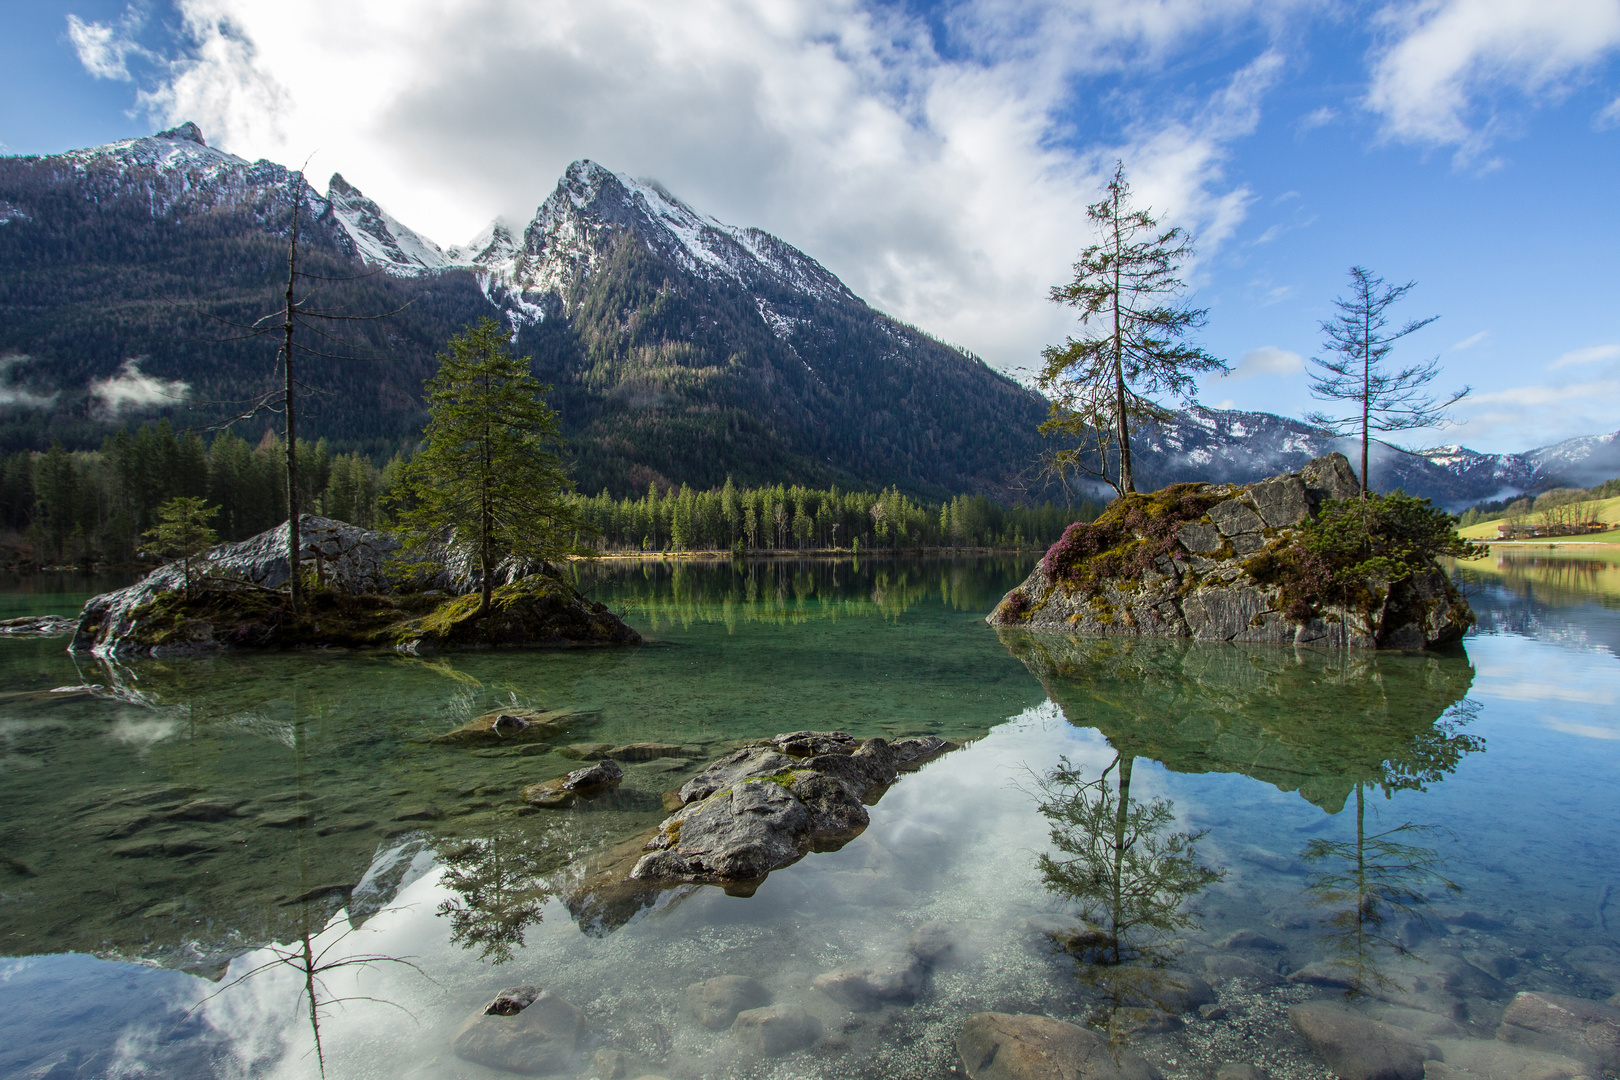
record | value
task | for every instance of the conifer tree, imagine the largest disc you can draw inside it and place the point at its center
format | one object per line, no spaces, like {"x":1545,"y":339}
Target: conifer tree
{"x":1130,"y":350}
{"x":489,"y":478}
{"x":183,"y":532}
{"x":1358,"y":341}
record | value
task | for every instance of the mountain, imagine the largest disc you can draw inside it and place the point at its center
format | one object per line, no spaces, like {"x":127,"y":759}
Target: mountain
{"x":1233,"y":446}
{"x":679,"y":349}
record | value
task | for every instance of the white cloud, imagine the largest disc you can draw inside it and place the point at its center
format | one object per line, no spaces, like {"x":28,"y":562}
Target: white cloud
{"x":1540,"y":415}
{"x":1594,"y":355}
{"x":104,"y":49}
{"x":131,"y":390}
{"x":1449,"y":64}
{"x":1267,"y":360}
{"x":19,"y":396}
{"x":1610,"y":116}
{"x":1470,"y":341}
{"x":945,"y":190}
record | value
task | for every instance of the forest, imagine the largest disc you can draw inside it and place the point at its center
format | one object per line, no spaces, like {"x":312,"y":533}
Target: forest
{"x":93,"y":506}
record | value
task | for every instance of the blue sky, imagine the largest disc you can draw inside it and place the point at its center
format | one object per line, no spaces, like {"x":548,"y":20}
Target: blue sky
{"x":939,"y":157}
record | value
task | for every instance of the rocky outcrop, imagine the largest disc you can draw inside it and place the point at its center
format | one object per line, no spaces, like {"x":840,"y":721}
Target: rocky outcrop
{"x":358,"y":597}
{"x":754,"y":811}
{"x":759,"y":809}
{"x":1195,"y":561}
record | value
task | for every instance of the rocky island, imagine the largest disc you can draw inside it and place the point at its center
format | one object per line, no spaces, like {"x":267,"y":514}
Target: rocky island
{"x":1293,"y":559}
{"x":358,"y":598}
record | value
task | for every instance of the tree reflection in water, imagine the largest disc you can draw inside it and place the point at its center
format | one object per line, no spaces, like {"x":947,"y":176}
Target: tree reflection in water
{"x":1131,"y":875}
{"x":503,"y":882}
{"x":1382,"y":875}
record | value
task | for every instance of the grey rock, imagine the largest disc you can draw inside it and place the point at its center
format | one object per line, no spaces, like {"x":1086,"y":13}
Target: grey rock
{"x":811,"y":743}
{"x":1237,"y":967}
{"x":1008,"y":1046}
{"x":867,"y":771}
{"x":741,"y":835}
{"x":1224,"y":614}
{"x":38,"y":626}
{"x":523,"y":1030}
{"x":1322,"y":973}
{"x":1584,"y":1029}
{"x":933,"y":942}
{"x":1494,"y":965}
{"x":745,"y":764}
{"x":1357,"y":1048}
{"x":1491,"y":1059}
{"x":1234,"y":517}
{"x":1249,"y":939}
{"x":1199,"y":538}
{"x":568,"y":789}
{"x":866,"y":988}
{"x":1281,"y":501}
{"x":914,"y":752}
{"x":775,"y":1029}
{"x":1172,"y":992}
{"x":1330,"y":477}
{"x":716,"y":1002}
{"x":836,"y":813}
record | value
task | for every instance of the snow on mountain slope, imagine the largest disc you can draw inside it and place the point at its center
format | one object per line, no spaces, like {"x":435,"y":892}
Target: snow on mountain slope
{"x":380,"y":239}
{"x":564,"y":241}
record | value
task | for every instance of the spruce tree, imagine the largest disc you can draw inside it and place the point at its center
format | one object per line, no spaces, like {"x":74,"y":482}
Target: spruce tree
{"x":1130,"y":351}
{"x":489,"y":479}
{"x":183,"y":532}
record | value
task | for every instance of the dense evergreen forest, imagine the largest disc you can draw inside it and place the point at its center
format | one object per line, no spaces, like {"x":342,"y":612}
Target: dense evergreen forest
{"x":86,"y":506}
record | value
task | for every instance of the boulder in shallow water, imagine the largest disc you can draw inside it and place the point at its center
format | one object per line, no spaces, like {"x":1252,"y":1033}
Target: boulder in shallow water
{"x":1008,"y":1046}
{"x":864,"y":989}
{"x":509,"y":727}
{"x":775,"y":1029}
{"x":568,"y":789}
{"x":523,"y":1030}
{"x":1358,"y":1048}
{"x":1589,"y":1030}
{"x":716,"y":1002}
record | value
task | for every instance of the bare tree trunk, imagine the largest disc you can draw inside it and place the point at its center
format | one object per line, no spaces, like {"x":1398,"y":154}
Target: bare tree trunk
{"x":1366,"y":398}
{"x":293,"y":545}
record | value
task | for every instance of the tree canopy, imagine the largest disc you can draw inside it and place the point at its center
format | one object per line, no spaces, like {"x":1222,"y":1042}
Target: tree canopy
{"x":1131,"y":348}
{"x":489,"y":481}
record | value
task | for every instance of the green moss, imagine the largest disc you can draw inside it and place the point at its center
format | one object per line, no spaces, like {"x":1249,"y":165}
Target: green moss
{"x":1129,"y":538}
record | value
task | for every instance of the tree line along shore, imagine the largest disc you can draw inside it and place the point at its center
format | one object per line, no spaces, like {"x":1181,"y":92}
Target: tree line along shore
{"x":87,"y":507}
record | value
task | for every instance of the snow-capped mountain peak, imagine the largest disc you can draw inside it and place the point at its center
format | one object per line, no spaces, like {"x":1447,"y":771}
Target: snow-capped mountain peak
{"x":379,"y":238}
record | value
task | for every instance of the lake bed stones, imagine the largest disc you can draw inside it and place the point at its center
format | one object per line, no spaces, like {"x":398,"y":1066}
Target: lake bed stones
{"x":524,"y":1030}
{"x":716,"y":1002}
{"x":1578,"y":1027}
{"x":508,"y":727}
{"x":1008,"y":1046}
{"x":775,"y":1029}
{"x":867,"y":989}
{"x":1358,"y":1048}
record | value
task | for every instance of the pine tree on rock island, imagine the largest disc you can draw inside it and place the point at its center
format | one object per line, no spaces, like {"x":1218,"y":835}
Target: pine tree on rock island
{"x":1130,"y":350}
{"x":489,"y":479}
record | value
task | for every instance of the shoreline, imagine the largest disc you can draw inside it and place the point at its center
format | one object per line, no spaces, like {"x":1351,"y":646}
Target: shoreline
{"x":801,"y":553}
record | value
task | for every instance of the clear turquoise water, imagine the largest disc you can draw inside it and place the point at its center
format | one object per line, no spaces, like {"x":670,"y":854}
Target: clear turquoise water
{"x":138,"y":941}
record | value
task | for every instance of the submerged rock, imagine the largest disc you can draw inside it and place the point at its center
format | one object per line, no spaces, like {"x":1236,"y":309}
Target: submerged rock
{"x":1589,"y":1030}
{"x":716,"y":1002}
{"x":775,"y":1029}
{"x":509,"y":727}
{"x":523,"y":1030}
{"x":864,"y":989}
{"x":1006,"y":1046}
{"x":1199,"y":561}
{"x":1357,"y":1048}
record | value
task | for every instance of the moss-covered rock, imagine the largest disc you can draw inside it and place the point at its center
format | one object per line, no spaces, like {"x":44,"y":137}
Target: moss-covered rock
{"x":538,"y":610}
{"x":1225,"y":562}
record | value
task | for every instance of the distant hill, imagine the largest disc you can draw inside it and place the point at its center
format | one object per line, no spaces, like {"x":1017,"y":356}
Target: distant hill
{"x":680,"y":349}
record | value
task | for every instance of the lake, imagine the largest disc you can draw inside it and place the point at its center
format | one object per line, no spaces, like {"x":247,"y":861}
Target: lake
{"x":261,"y":866}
